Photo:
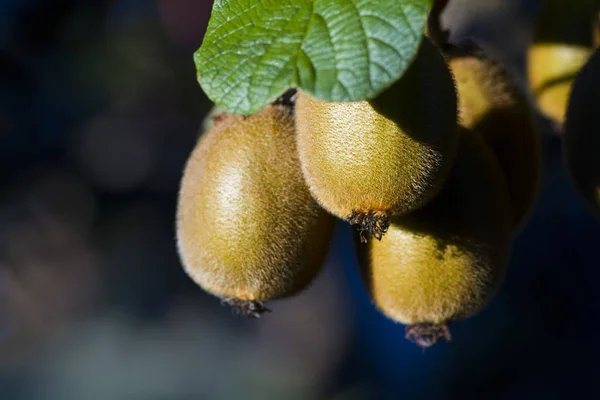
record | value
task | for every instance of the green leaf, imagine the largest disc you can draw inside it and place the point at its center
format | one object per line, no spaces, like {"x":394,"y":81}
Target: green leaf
{"x":337,"y":50}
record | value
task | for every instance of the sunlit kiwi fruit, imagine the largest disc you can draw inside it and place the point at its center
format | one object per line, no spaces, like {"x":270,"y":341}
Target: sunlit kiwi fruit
{"x":365,"y":161}
{"x":248,"y":229}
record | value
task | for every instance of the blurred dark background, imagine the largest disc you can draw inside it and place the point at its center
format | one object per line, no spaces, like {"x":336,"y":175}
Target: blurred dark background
{"x":99,"y":108}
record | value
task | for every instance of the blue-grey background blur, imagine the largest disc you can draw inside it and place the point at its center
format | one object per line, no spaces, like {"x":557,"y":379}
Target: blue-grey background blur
{"x":99,"y":108}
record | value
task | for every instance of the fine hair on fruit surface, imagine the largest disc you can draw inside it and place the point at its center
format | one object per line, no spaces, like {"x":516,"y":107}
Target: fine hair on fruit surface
{"x":366,"y":161}
{"x":248,"y":229}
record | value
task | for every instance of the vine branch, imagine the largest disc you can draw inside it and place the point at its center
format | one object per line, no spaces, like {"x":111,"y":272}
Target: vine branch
{"x":436,"y":32}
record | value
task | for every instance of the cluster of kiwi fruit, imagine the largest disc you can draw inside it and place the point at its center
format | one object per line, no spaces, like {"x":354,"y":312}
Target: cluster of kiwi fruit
{"x":564,"y":76}
{"x":437,"y":175}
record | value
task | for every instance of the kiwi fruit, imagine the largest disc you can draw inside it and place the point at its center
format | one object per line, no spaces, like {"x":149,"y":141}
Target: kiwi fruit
{"x":491,"y":103}
{"x":563,"y":42}
{"x":444,"y":261}
{"x":365,"y":161}
{"x":581,"y":139}
{"x":248,"y":229}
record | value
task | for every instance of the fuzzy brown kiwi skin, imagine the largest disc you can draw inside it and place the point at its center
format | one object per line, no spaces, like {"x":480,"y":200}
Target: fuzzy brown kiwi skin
{"x":446,"y":260}
{"x":366,"y":161}
{"x":581,"y":138}
{"x":248,"y":229}
{"x":491,"y":103}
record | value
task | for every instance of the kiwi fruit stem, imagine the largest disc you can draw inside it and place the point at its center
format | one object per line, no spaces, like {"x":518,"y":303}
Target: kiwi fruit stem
{"x":218,"y":117}
{"x":245,"y":308}
{"x":288,"y":99}
{"x":426,"y":335}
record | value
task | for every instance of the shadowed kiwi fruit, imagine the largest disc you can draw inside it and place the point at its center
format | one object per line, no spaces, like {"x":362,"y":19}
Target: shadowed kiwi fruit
{"x":365,"y":161}
{"x":582,"y":133}
{"x":490,"y":103}
{"x":444,"y":261}
{"x":563,"y":41}
{"x":248,"y":229}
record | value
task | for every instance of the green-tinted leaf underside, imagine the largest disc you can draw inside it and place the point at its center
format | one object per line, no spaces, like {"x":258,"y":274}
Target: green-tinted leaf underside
{"x":337,"y":50}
